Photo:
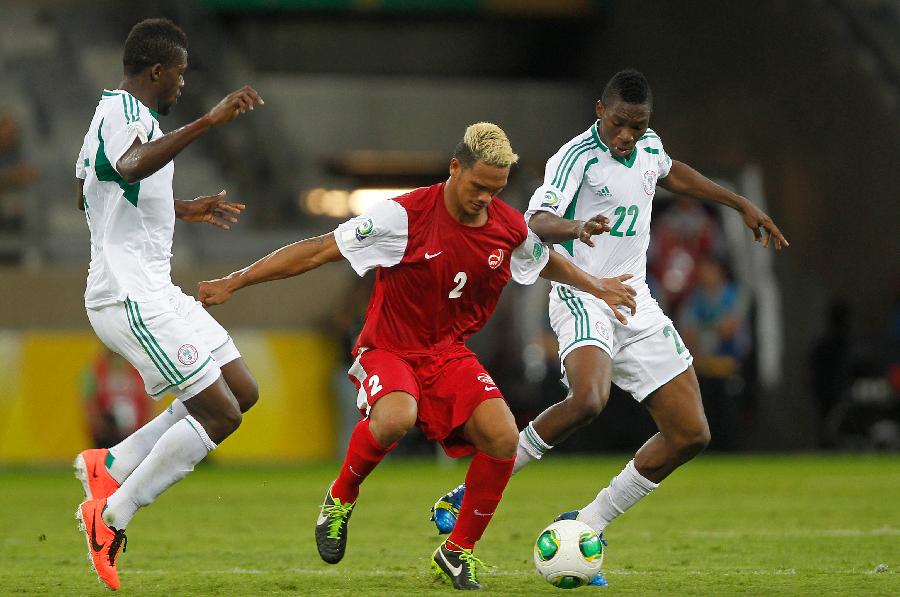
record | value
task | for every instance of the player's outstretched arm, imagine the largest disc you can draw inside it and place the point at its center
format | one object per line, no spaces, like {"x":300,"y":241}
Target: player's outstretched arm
{"x":684,"y":180}
{"x":553,"y":229}
{"x":143,"y":159}
{"x":613,"y":291}
{"x":286,"y":262}
{"x":211,"y":209}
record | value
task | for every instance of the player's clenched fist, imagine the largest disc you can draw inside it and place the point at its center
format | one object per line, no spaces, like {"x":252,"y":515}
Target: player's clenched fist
{"x":234,"y":104}
{"x":615,"y":293}
{"x":213,"y":292}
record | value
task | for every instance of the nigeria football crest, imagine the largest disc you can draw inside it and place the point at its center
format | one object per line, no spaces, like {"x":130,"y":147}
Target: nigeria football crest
{"x":650,"y":182}
{"x":187,"y":354}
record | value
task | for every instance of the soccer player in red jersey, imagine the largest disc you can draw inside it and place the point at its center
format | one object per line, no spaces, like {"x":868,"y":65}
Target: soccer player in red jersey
{"x":443,"y":255}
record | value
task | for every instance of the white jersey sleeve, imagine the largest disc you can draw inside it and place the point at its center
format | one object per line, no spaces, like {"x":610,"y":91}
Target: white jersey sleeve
{"x":120,"y":128}
{"x":562,"y":177}
{"x":376,"y":238}
{"x":529,"y":259}
{"x":655,"y":148}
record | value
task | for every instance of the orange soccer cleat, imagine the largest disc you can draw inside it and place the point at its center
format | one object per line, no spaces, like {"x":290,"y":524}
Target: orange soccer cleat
{"x":104,"y":542}
{"x":90,"y":469}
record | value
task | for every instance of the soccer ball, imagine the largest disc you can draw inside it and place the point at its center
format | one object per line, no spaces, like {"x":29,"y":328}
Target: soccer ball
{"x":568,"y":554}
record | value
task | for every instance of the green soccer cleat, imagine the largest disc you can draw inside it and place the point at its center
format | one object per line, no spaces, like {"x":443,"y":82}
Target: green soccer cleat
{"x":460,"y":567}
{"x":331,"y":529}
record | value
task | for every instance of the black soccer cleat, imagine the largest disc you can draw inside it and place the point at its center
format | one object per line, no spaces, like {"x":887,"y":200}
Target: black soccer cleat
{"x":331,"y":529}
{"x":458,"y":566}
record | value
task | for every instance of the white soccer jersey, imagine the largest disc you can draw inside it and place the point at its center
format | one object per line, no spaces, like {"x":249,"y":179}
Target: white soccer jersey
{"x":583,"y":179}
{"x":131,"y":224}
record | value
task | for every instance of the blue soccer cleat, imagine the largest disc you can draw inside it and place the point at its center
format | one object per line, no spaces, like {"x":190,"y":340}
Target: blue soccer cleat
{"x":599,"y":580}
{"x":446,"y":509}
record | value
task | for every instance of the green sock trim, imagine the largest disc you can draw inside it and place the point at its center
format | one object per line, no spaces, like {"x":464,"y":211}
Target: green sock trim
{"x":109,"y":459}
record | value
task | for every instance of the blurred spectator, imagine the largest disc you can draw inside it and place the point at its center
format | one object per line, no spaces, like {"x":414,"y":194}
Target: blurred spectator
{"x":713,"y":325}
{"x":16,"y":174}
{"x":682,"y":235}
{"x":115,"y":402}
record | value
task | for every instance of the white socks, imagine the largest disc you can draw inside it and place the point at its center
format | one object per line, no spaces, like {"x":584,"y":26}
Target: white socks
{"x":132,"y":450}
{"x":181,"y":447}
{"x":624,"y":490}
{"x":531,"y":447}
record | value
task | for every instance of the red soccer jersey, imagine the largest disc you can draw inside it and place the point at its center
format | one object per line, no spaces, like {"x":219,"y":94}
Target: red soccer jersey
{"x":449,"y":278}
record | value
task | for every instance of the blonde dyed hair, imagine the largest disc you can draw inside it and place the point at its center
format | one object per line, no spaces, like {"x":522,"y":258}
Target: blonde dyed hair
{"x":486,"y":142}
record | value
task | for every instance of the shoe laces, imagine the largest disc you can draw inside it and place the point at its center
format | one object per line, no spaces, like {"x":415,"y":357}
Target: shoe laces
{"x":337,"y":514}
{"x":119,"y":539}
{"x":471,"y":560}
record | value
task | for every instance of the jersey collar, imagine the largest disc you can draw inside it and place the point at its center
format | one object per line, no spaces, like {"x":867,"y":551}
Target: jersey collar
{"x":627,"y":162}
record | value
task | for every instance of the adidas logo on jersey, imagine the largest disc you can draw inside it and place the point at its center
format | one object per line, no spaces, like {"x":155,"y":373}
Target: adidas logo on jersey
{"x":604,"y":192}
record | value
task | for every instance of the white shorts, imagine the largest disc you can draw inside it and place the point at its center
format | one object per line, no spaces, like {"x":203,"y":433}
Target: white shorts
{"x":646,"y":354}
{"x":173,"y":342}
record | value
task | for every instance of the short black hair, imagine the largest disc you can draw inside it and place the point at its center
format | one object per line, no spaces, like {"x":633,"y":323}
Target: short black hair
{"x":153,"y":41}
{"x":465,"y":155}
{"x":630,"y":86}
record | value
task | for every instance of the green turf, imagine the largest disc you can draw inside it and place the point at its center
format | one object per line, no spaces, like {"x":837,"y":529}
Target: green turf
{"x":754,"y":525}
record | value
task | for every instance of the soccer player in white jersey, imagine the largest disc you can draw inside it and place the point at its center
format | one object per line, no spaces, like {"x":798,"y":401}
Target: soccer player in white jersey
{"x":124,"y":173}
{"x":604,"y":180}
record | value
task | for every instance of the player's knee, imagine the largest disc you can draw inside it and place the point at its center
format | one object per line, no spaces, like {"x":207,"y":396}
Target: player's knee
{"x":247,"y":395}
{"x":589,"y":402}
{"x":229,"y":420}
{"x":692,"y":443}
{"x":502,"y":443}
{"x":389,"y":426}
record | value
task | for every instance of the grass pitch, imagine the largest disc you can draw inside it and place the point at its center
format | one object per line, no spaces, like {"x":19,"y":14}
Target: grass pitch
{"x":746,"y":525}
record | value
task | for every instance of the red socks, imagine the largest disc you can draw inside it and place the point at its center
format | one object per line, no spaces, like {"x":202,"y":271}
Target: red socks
{"x":363,"y":455}
{"x":485,"y":482}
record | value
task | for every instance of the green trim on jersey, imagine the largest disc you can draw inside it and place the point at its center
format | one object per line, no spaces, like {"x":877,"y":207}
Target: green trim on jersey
{"x":596,"y":135}
{"x":153,"y":112}
{"x":569,"y":245}
{"x":651,"y":150}
{"x":649,"y":134}
{"x":106,"y":173}
{"x":627,"y":162}
{"x":152,"y":128}
{"x":568,"y":161}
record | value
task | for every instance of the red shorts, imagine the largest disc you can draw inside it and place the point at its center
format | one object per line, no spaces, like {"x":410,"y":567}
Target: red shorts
{"x":447,"y":387}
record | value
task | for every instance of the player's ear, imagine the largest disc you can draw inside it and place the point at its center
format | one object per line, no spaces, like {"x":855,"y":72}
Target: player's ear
{"x":454,"y":166}
{"x":600,"y":109}
{"x":156,"y":72}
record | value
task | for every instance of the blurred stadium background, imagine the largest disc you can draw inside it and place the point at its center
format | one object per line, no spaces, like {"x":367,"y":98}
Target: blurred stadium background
{"x":794,"y":104}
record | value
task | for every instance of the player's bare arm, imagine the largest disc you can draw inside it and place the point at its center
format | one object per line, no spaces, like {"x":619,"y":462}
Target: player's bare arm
{"x":553,"y":229}
{"x":612,"y":291}
{"x":143,"y":159}
{"x":211,"y":209}
{"x":684,"y":180}
{"x":80,"y":193}
{"x":288,"y":261}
